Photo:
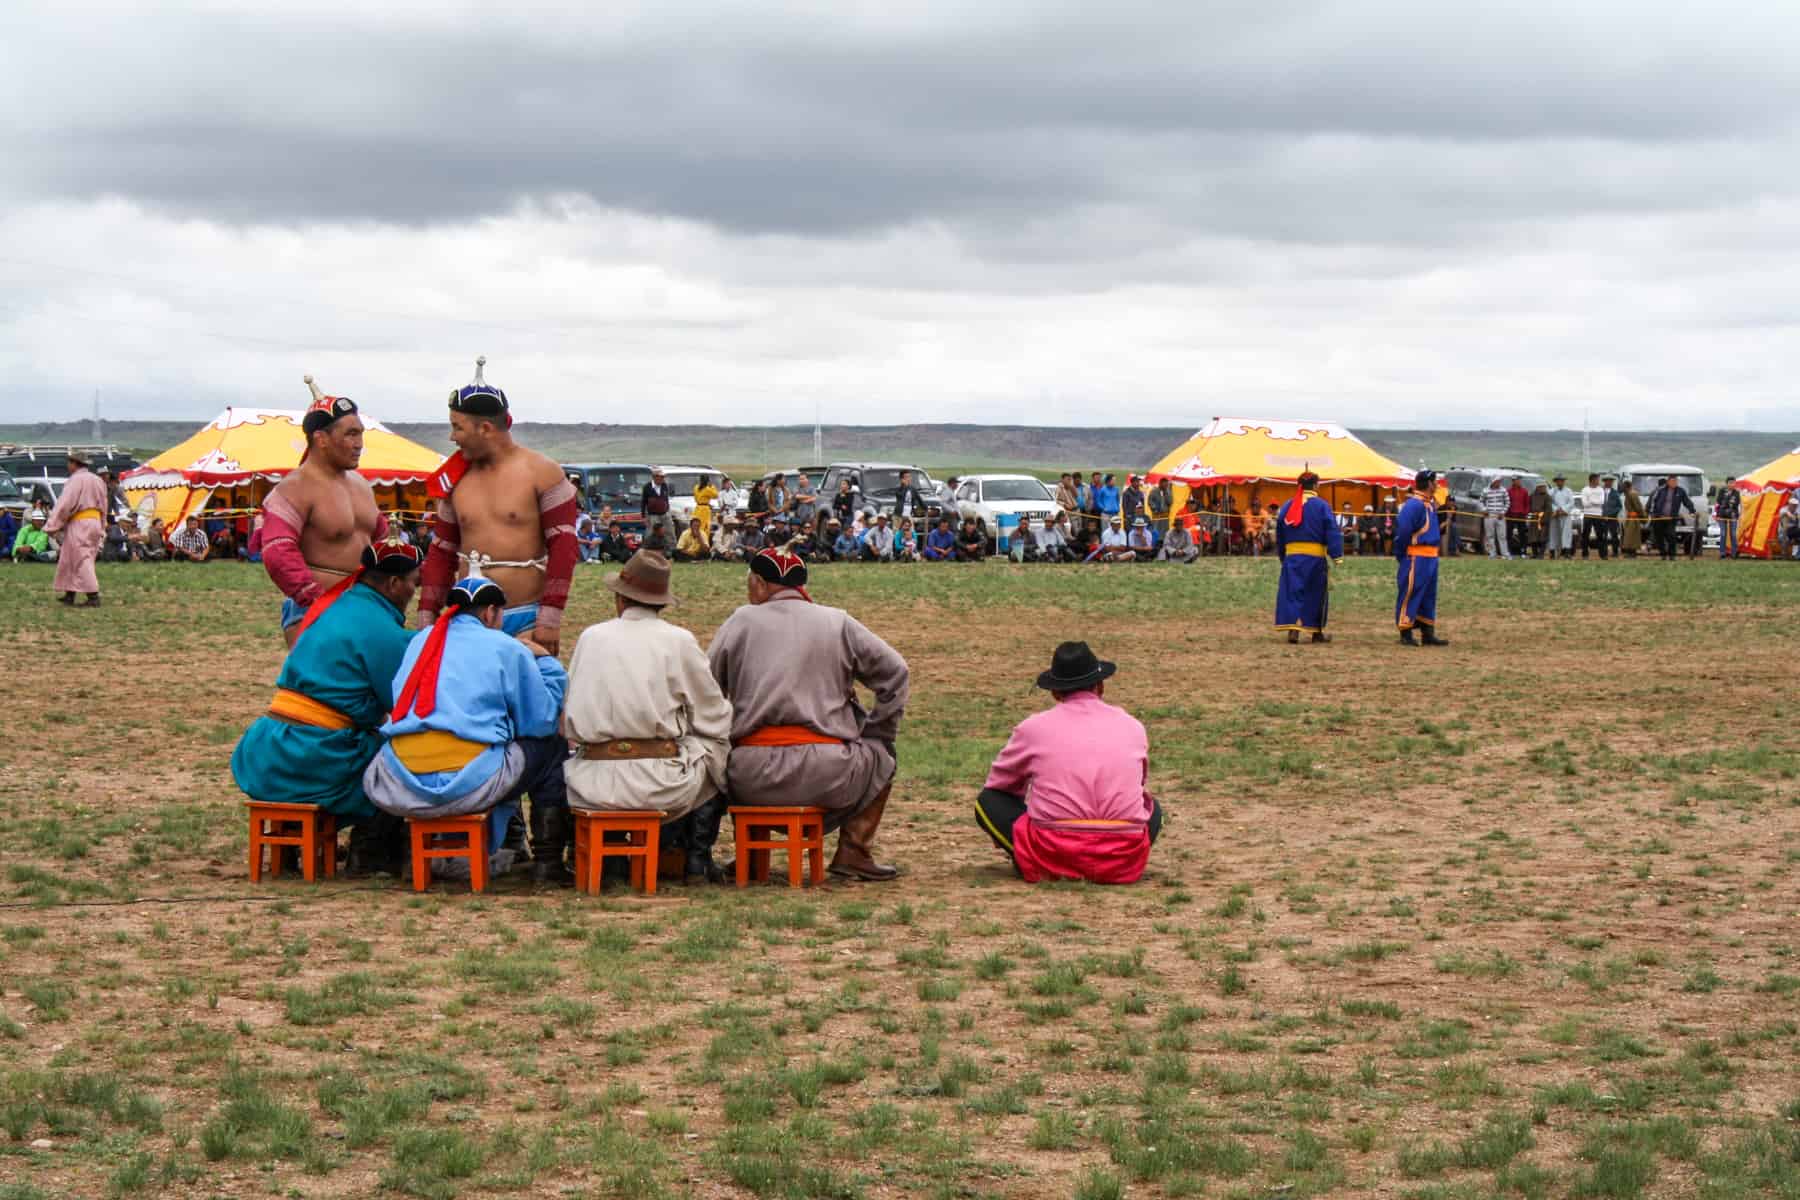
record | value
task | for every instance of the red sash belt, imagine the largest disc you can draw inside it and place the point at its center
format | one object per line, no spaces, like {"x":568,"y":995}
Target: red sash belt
{"x":786,"y":735}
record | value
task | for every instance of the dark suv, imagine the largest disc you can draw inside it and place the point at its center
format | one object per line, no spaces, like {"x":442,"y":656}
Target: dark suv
{"x":877,"y":486}
{"x":616,"y":485}
{"x":1468,"y":489}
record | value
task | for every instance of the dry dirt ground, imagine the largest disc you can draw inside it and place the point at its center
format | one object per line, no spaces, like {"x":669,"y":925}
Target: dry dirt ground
{"x":1516,"y":917}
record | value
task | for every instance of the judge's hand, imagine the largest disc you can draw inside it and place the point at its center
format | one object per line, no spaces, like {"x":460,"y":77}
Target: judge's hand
{"x":542,"y":640}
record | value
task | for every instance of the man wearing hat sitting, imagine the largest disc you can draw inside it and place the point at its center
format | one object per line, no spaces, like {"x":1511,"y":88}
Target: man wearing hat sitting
{"x":652,"y":727}
{"x":79,"y":523}
{"x":798,"y":736}
{"x":1065,"y":799}
{"x":473,"y":728}
{"x":1114,"y":545}
{"x":31,"y":543}
{"x":322,"y":515}
{"x":336,"y":686}
{"x":1417,"y":535}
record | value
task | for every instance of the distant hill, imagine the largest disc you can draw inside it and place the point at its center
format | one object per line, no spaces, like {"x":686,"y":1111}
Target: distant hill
{"x":962,"y":448}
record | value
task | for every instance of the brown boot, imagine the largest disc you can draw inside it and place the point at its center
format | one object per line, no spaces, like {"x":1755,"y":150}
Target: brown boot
{"x":856,"y":838}
{"x":1321,"y":637}
{"x":1293,"y":637}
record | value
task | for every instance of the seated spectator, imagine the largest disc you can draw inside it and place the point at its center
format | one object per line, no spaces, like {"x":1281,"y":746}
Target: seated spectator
{"x":725,"y":547}
{"x":137,"y":547}
{"x":878,"y":544}
{"x":1254,"y":524}
{"x":655,"y":539}
{"x":1024,"y":546}
{"x":1143,"y":545}
{"x":1065,"y":799}
{"x":940,"y":544}
{"x":587,"y":538}
{"x":224,"y":541}
{"x":906,"y":542}
{"x":1347,"y":526}
{"x":474,"y":729}
{"x":693,"y":545}
{"x":1114,"y":545}
{"x":1178,"y":546}
{"x":114,"y":547}
{"x":1054,"y":543}
{"x":156,"y":546}
{"x":843,"y":542}
{"x":9,"y":530}
{"x":1368,"y":531}
{"x":612,"y":545}
{"x":189,"y":544}
{"x":971,"y":543}
{"x":32,"y":544}
{"x":751,"y":540}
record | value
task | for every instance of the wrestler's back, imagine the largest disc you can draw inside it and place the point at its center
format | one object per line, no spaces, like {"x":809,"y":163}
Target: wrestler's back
{"x":497,"y":514}
{"x":340,"y":514}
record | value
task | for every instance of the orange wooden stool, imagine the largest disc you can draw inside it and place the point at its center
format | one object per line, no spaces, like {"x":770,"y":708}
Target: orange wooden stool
{"x":642,"y":846}
{"x":803,"y":837}
{"x":450,"y":837}
{"x":306,"y":826}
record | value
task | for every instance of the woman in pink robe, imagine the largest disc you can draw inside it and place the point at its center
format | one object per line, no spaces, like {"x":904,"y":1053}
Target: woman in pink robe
{"x":79,"y":520}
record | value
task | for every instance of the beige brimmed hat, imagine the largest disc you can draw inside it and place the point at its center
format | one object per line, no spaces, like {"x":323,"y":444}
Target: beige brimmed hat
{"x":644,"y":579}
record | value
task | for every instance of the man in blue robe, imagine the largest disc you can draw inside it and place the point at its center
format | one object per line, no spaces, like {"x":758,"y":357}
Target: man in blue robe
{"x":474,"y":729}
{"x":1416,"y":540}
{"x":1306,"y":535}
{"x":335,"y":689}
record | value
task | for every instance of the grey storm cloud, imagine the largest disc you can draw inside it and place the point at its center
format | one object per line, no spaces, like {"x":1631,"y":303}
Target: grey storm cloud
{"x":1388,"y":122}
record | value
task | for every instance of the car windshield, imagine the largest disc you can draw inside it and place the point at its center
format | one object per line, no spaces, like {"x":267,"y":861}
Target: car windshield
{"x":882,"y":479}
{"x":1015,"y":489}
{"x":1647,"y":483}
{"x":8,"y":489}
{"x":615,"y":485}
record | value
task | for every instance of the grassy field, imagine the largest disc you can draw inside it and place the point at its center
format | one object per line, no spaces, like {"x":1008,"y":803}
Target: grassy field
{"x":960,"y":449}
{"x":1515,"y":919}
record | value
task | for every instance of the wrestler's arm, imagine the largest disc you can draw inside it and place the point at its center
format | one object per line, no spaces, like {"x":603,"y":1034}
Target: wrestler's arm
{"x":438,"y":572}
{"x":878,"y":667}
{"x":282,"y":522}
{"x":558,"y":507}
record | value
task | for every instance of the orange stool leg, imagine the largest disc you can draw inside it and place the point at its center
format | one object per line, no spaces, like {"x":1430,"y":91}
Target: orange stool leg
{"x":256,"y":848}
{"x":816,"y":851}
{"x":652,"y":851}
{"x":421,"y":865}
{"x":478,"y":860}
{"x":329,"y":847}
{"x":309,"y":850}
{"x":796,"y":854}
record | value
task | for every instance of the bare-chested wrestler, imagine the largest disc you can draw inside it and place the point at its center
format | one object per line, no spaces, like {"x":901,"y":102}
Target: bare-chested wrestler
{"x":503,"y":512}
{"x":322,"y":516}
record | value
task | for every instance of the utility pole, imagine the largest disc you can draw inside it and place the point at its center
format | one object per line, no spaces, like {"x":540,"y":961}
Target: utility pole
{"x":95,"y":431}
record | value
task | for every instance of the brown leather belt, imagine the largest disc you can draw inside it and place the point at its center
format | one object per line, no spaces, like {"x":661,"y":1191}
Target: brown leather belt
{"x":624,"y":748}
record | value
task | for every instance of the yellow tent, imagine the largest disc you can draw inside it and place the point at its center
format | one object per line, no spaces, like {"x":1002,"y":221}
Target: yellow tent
{"x":235,"y":459}
{"x":1256,"y":462}
{"x":1783,"y":473}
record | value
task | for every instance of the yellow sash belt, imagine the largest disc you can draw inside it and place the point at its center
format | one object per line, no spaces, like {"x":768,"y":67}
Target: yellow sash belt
{"x":435,"y":750}
{"x":300,"y":709}
{"x":1316,"y":549}
{"x":86,"y":514}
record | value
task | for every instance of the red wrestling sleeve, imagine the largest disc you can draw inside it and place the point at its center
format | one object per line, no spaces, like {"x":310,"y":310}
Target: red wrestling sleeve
{"x":438,"y":572}
{"x":281,"y":552}
{"x":557,"y":511}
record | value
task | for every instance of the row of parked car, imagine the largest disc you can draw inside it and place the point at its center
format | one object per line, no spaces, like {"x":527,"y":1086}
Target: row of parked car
{"x":994,"y":500}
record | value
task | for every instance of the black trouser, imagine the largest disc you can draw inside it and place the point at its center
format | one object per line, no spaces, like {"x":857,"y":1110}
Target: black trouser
{"x":542,"y":779}
{"x":1664,"y":531}
{"x":997,"y":812}
{"x":1593,"y":533}
{"x":1515,"y":536}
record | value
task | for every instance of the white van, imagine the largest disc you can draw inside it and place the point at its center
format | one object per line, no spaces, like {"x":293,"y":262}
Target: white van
{"x":1647,"y":477}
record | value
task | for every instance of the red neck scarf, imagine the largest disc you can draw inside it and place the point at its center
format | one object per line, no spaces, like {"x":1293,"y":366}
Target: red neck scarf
{"x":419,"y":693}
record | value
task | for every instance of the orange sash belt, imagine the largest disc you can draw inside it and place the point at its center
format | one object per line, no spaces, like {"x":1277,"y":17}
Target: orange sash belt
{"x":86,"y":514}
{"x":1421,"y":552}
{"x":298,"y":709}
{"x":787,"y":735}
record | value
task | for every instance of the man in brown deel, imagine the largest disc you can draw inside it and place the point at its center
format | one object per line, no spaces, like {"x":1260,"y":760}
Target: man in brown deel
{"x":798,"y":736}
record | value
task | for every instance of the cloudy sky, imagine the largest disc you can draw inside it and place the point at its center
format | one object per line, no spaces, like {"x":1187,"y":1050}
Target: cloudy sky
{"x":1396,"y":213}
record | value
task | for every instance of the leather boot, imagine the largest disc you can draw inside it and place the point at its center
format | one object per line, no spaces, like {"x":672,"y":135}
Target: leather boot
{"x":856,"y":841}
{"x":1406,"y":638}
{"x":93,"y":600}
{"x":549,"y":844}
{"x":371,"y":847}
{"x":703,"y":831}
{"x":1321,"y":637}
{"x":1293,"y":637}
{"x":1432,"y":639}
{"x":65,"y":598}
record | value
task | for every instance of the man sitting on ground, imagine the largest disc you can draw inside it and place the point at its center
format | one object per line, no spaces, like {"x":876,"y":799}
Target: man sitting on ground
{"x":189,"y":543}
{"x":693,"y":545}
{"x":473,"y":729}
{"x":1178,"y":546}
{"x":798,"y":736}
{"x":940,"y":543}
{"x":971,"y":544}
{"x":613,"y":545}
{"x":1023,"y":545}
{"x":1066,"y":797}
{"x":334,"y":691}
{"x":32,"y":544}
{"x":1143,"y":546}
{"x":843,"y":543}
{"x":652,"y":727}
{"x":725,"y":546}
{"x":1114,"y":545}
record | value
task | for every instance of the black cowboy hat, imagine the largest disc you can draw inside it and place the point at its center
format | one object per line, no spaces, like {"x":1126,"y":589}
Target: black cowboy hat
{"x":1074,"y":667}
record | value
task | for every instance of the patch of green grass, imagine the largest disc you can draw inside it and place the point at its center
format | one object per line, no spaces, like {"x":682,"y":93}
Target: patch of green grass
{"x":354,"y":994}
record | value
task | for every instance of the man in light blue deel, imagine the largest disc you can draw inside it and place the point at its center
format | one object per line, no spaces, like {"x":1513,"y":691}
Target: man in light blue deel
{"x":474,"y":728}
